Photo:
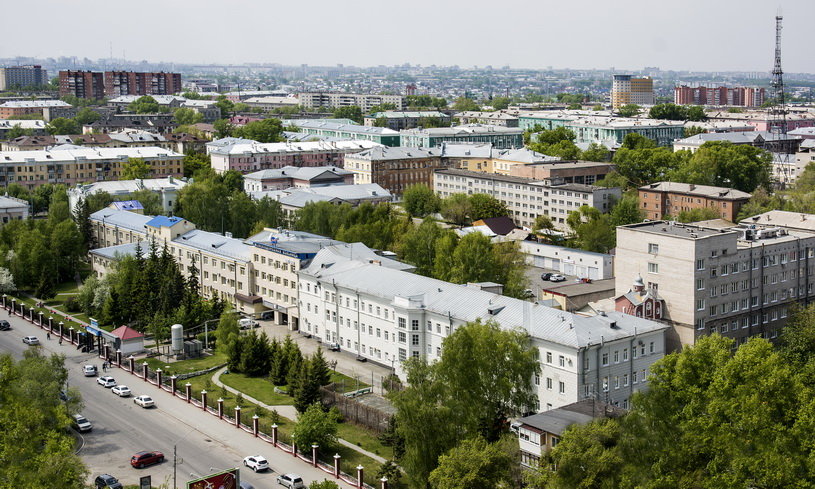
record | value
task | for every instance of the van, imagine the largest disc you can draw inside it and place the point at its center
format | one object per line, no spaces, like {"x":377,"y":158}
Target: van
{"x":246,"y":323}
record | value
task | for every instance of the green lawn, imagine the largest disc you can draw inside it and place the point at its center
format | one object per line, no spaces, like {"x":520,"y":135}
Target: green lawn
{"x":187,"y":366}
{"x":259,"y":388}
{"x":346,"y":383}
{"x":364,"y":439}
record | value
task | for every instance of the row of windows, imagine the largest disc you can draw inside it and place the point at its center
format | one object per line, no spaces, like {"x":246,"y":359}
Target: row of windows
{"x":618,"y":381}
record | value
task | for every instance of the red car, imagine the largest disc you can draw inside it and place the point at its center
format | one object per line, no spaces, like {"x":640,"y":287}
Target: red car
{"x":143,"y":459}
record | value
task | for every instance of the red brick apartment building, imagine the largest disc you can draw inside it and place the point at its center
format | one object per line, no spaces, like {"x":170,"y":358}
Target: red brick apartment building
{"x":658,"y":200}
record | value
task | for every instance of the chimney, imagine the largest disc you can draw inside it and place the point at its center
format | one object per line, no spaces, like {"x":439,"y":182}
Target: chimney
{"x":692,"y":187}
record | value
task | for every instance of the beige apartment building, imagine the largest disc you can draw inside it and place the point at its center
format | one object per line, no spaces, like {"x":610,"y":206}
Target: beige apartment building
{"x":527,"y":198}
{"x":739,"y":281}
{"x":76,"y":165}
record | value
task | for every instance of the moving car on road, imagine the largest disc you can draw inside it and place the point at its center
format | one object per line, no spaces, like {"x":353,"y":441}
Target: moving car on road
{"x":256,"y":463}
{"x":107,"y":481}
{"x":4,"y":325}
{"x":121,"y":391}
{"x":144,"y":401}
{"x":90,"y":370}
{"x":31,"y":340}
{"x":106,"y":381}
{"x":81,"y":424}
{"x":143,"y":459}
{"x":292,"y":481}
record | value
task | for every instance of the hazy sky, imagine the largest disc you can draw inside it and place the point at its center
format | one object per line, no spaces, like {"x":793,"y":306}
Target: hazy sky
{"x":705,"y":35}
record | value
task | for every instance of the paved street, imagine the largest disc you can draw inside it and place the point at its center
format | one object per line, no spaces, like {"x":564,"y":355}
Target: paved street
{"x":122,"y":428}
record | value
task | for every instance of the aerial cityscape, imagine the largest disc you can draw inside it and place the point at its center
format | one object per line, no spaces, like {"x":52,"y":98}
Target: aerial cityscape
{"x":273,"y":250}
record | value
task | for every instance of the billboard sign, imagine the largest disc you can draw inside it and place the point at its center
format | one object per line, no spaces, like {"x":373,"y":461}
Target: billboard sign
{"x":227,"y":479}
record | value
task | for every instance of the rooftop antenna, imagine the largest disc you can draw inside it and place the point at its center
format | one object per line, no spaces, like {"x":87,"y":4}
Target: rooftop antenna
{"x":777,"y":116}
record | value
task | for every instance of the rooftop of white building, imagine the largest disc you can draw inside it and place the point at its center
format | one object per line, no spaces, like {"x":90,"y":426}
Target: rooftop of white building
{"x":73,"y":153}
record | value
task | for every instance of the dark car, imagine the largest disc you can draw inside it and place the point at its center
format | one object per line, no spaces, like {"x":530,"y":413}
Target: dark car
{"x":545,"y":276}
{"x":4,"y":325}
{"x":107,"y":481}
{"x":143,"y":459}
{"x":362,"y":359}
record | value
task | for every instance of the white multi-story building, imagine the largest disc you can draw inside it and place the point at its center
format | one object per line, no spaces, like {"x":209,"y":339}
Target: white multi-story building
{"x":739,"y":281}
{"x":166,"y":188}
{"x":527,"y":198}
{"x":364,"y":101}
{"x":386,"y":315}
{"x":627,"y":89}
{"x":246,"y":155}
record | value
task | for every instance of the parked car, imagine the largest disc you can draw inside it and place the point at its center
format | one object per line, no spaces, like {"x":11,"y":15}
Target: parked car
{"x":556,"y":277}
{"x":106,"y":381}
{"x":107,"y":481}
{"x":247,"y":323}
{"x":144,"y":401}
{"x":90,"y":370}
{"x":4,"y":325}
{"x":334,"y":346}
{"x":31,"y":340}
{"x":81,"y":424}
{"x":256,"y":463}
{"x":143,"y":459}
{"x":545,"y":276}
{"x":246,"y":485}
{"x":265,"y":315}
{"x":292,"y":481}
{"x":362,"y":359}
{"x":121,"y":391}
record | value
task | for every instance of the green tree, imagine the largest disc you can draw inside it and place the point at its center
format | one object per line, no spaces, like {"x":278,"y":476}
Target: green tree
{"x":226,"y":106}
{"x":595,"y":152}
{"x":223,"y":128}
{"x":484,"y":206}
{"x":420,"y":201}
{"x":36,"y":447}
{"x":669,"y":111}
{"x":418,"y":246}
{"x":86,"y":116}
{"x":323,"y":484}
{"x":641,"y":166}
{"x":307,"y":389}
{"x":136,"y":168}
{"x":500,"y":103}
{"x":187,"y":116}
{"x":472,"y":260}
{"x":17,"y":131}
{"x":316,"y":426}
{"x":724,"y":164}
{"x":693,"y":131}
{"x":474,"y":463}
{"x":593,"y":230}
{"x":381,"y":122}
{"x":227,"y":328}
{"x":466,"y":104}
{"x":263,"y":131}
{"x":149,"y":200}
{"x":696,"y":113}
{"x":456,"y":209}
{"x":319,"y":368}
{"x":61,"y":125}
{"x":444,"y":262}
{"x":193,"y":162}
{"x":352,"y":112}
{"x":255,"y":357}
{"x":699,"y":214}
{"x":629,"y":110}
{"x":144,"y":105}
{"x":626,"y":210}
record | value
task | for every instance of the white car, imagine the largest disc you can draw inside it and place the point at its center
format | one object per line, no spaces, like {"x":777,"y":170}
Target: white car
{"x":89,"y":370}
{"x":81,"y":423}
{"x":106,"y":381}
{"x":31,"y":340}
{"x":247,"y":323}
{"x":144,"y":401}
{"x":557,"y":278}
{"x":292,"y":481}
{"x":121,"y":391}
{"x":256,"y":463}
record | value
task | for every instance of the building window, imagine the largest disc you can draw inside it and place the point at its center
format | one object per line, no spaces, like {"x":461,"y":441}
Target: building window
{"x":605,"y":359}
{"x":653,"y":248}
{"x":548,"y":357}
{"x":549,"y":383}
{"x":562,"y":387}
{"x":653,"y":268}
{"x":562,"y":361}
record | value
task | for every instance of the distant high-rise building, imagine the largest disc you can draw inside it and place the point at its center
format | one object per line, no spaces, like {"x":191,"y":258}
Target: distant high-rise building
{"x":22,"y":76}
{"x":628,"y":89}
{"x":82,"y":84}
{"x":738,"y":96}
{"x":88,"y":84}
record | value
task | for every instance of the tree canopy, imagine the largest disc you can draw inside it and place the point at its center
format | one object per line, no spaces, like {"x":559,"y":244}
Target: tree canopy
{"x":144,"y":105}
{"x":264,"y":131}
{"x":420,"y":201}
{"x":352,"y":112}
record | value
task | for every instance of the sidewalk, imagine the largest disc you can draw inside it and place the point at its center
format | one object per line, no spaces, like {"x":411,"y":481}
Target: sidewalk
{"x":288,"y":411}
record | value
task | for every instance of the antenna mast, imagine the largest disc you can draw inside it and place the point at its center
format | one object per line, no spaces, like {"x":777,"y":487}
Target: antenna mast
{"x":777,"y":117}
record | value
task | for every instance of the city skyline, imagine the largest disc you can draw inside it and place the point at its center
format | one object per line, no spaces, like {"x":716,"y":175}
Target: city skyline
{"x":431,"y":33}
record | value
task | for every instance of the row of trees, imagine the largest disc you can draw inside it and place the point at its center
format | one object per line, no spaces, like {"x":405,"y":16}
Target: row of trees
{"x":711,"y":418}
{"x":268,"y":130}
{"x":36,"y":447}
{"x":559,"y":142}
{"x":42,"y":253}
{"x":148,"y":292}
{"x":453,"y":412}
{"x":281,"y":362}
{"x":420,"y":201}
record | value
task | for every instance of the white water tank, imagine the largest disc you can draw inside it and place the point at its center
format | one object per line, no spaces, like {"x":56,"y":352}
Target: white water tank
{"x":177,"y":336}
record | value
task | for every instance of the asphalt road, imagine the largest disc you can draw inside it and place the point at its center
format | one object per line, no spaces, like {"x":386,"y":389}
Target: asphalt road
{"x":121,"y":428}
